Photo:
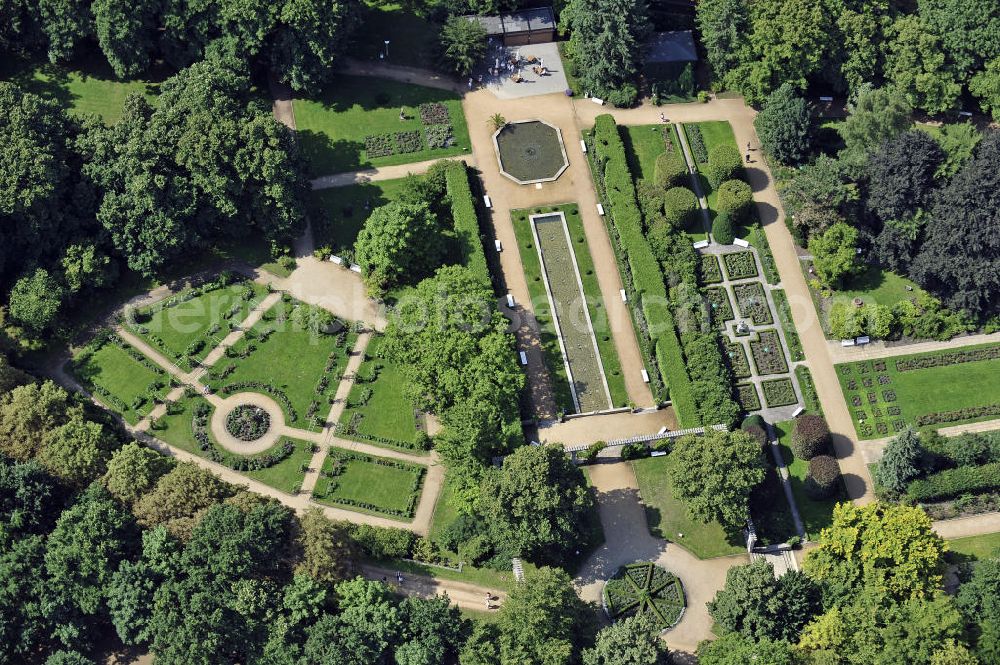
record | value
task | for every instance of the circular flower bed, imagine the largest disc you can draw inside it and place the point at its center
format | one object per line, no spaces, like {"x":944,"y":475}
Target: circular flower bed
{"x":247,"y":422}
{"x":645,"y":588}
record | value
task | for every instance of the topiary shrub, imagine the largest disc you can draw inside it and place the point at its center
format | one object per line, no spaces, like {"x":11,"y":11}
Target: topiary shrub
{"x":823,"y":476}
{"x":624,"y":97}
{"x":724,"y":163}
{"x":758,"y":433}
{"x":736,"y":200}
{"x":722,"y":229}
{"x":680,"y":206}
{"x":670,"y":169}
{"x":810,"y":437}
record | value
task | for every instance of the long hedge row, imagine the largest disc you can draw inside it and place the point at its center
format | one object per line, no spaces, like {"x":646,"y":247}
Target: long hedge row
{"x":643,"y":267}
{"x":463,"y":212}
{"x":956,"y":482}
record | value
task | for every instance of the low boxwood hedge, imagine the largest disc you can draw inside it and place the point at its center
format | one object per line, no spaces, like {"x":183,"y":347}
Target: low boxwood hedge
{"x":956,"y":482}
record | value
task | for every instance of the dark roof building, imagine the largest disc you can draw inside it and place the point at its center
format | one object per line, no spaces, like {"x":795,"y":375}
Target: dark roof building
{"x":675,"y":46}
{"x":532,"y":26}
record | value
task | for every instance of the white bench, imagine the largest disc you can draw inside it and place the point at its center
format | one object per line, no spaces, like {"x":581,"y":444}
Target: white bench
{"x":510,"y":300}
{"x":847,"y":342}
{"x":864,"y":339}
{"x":701,"y":244}
{"x":336,"y":259}
{"x":599,"y":102}
{"x":524,"y":358}
{"x":600,"y":209}
{"x":486,"y":200}
{"x":798,"y":412}
{"x":624,"y":295}
{"x":657,"y":453}
{"x":826,"y":99}
{"x":740,"y":242}
{"x":645,"y":376}
{"x":355,"y":268}
{"x":496,"y":243}
{"x":583,"y":146}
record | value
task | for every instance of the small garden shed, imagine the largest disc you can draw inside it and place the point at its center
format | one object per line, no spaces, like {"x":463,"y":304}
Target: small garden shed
{"x":532,"y":26}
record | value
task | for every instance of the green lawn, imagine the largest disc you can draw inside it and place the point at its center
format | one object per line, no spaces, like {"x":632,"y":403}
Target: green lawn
{"x":332,"y":126}
{"x":366,"y":486}
{"x":667,"y":517}
{"x":110,"y":368}
{"x":206,"y":318}
{"x":177,"y":430}
{"x":87,"y":86}
{"x":337,"y":214}
{"x":292,"y":359}
{"x":412,"y":38}
{"x":816,"y":515}
{"x":977,"y":547}
{"x":918,"y":392}
{"x":542,"y":308}
{"x":643,"y":144}
{"x":596,"y":308}
{"x":388,"y":415}
{"x":879,"y":286}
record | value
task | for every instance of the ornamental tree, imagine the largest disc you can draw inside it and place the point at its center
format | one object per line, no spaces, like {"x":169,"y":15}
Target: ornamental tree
{"x":607,"y":38}
{"x":537,"y":505}
{"x":890,"y":549}
{"x":464,"y":44}
{"x":810,"y":436}
{"x":714,"y":474}
{"x":878,"y":115}
{"x":398,"y":244}
{"x":35,"y":301}
{"x":724,"y":163}
{"x":735,"y":198}
{"x":634,"y":640}
{"x":756,"y":605}
{"x":784,"y":126}
{"x":835,"y":256}
{"x":900,"y":461}
{"x":823,"y":477}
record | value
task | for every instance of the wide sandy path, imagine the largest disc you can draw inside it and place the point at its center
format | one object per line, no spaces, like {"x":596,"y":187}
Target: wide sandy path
{"x":627,"y":539}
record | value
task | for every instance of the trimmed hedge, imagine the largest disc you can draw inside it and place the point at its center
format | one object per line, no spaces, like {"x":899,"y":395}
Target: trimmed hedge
{"x":948,"y":358}
{"x":724,"y":163}
{"x":670,"y":169}
{"x":823,"y":476}
{"x":680,"y":205}
{"x":956,"y":482}
{"x":671,"y":361}
{"x":735,"y":199}
{"x":722,"y":229}
{"x":463,"y":212}
{"x":810,"y":436}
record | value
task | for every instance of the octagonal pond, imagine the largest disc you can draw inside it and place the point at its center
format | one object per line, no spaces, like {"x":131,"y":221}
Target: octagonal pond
{"x":530,"y":151}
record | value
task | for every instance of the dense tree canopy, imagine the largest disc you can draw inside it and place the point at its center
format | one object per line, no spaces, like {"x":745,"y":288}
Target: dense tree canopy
{"x":606,"y":43}
{"x":399,"y":243}
{"x":714,"y":475}
{"x":784,"y":125}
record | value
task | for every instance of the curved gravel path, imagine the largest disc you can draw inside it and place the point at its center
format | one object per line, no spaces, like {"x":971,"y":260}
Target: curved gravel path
{"x":239,"y":446}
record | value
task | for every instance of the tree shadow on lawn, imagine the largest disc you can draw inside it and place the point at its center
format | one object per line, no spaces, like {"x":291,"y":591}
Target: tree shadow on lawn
{"x":326,"y":156}
{"x":368,"y":93}
{"x":872,"y":278}
{"x":337,"y":214}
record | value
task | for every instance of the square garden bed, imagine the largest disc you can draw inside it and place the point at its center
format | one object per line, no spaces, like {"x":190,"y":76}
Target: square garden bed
{"x":768,"y":355}
{"x":746,"y":395}
{"x":120,"y":377}
{"x":719,"y":305}
{"x":711,"y":273}
{"x":738,"y":362}
{"x":778,"y":392}
{"x":740,"y":265}
{"x":186,"y":326}
{"x":369,"y":484}
{"x":752,"y":303}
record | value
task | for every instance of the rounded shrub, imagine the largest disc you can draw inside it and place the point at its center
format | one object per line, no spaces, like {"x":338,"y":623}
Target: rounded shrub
{"x":736,"y":200}
{"x":724,"y":163}
{"x":624,"y":97}
{"x":680,"y":205}
{"x":758,"y":433}
{"x":821,"y":481}
{"x":670,"y":169}
{"x":722,"y":229}
{"x":810,"y":437}
{"x":755,"y":420}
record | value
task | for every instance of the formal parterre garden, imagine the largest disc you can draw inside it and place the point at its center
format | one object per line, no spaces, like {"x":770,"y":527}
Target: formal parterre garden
{"x":119,"y":376}
{"x":377,"y":411}
{"x":185,"y":425}
{"x":369,"y":484}
{"x":186,"y":326}
{"x":934,"y":389}
{"x":645,"y":588}
{"x":296,"y":354}
{"x":365,"y":122}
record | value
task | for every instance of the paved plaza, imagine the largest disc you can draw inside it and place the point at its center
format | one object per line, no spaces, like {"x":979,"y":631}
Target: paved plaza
{"x":501,"y":83}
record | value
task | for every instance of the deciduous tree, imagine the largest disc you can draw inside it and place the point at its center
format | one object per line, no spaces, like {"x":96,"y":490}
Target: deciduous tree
{"x":784,"y":125}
